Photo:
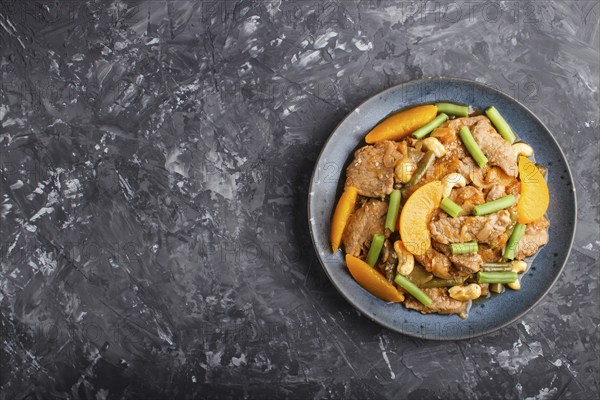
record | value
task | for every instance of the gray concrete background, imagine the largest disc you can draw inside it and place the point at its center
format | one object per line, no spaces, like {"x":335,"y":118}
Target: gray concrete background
{"x":155,"y":161}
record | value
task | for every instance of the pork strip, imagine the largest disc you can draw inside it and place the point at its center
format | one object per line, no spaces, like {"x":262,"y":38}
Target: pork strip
{"x":442,"y":303}
{"x":498,"y":151}
{"x":362,"y":225}
{"x":466,"y":264}
{"x":436,"y":263}
{"x":483,"y":229}
{"x":372,"y":170}
{"x":536,"y":235}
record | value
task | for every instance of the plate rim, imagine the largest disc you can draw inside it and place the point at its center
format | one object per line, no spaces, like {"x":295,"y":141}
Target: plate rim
{"x":384,"y":323}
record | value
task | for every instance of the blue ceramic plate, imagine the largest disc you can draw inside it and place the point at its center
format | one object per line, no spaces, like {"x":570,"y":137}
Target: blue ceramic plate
{"x":486,"y":315}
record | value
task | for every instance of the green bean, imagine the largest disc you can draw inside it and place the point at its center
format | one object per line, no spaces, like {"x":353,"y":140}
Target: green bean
{"x":501,"y":125}
{"x":450,"y":207}
{"x":472,"y":146}
{"x":394,"y":207}
{"x":513,"y":241}
{"x":426,"y":129}
{"x":496,"y":267}
{"x":493,"y":206}
{"x":496,"y":287}
{"x":496,"y":277}
{"x":422,"y":168}
{"x":453,"y":109}
{"x":375,"y":249}
{"x":411,"y":288}
{"x":463,"y":248}
{"x":439,"y":282}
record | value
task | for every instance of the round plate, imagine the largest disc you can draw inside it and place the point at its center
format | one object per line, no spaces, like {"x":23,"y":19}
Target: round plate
{"x":486,"y":315}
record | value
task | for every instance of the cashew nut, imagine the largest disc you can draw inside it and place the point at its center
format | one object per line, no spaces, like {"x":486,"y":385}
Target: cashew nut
{"x":450,"y":181}
{"x":516,"y":285}
{"x":405,"y":169}
{"x":432,"y":144}
{"x":519,"y":266}
{"x":406,"y":261}
{"x":465,"y":293}
{"x":522,"y":149}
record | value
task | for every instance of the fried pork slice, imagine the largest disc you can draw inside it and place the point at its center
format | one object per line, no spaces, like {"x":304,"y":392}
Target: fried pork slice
{"x":372,"y":170}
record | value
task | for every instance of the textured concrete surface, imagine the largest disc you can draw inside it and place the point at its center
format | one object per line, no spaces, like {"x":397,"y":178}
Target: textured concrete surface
{"x":155,"y":160}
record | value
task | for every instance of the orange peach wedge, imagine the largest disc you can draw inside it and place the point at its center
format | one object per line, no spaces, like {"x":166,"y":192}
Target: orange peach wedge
{"x":343,"y":210}
{"x":372,"y":280}
{"x":415,"y":217}
{"x":535,"y":197}
{"x":401,"y":124}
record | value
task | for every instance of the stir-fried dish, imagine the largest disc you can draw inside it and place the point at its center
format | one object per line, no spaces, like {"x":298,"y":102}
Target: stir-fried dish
{"x":441,"y":207}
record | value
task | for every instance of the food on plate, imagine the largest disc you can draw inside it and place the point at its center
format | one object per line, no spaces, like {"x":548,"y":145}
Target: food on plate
{"x":441,"y":207}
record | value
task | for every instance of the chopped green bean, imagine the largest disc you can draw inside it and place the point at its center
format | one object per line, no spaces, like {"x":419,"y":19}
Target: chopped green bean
{"x":393,"y":209}
{"x":496,"y":267}
{"x":463,"y":248}
{"x":411,"y":288}
{"x":450,"y":207}
{"x":472,"y":146}
{"x":496,"y":277}
{"x":439,"y":282}
{"x":426,"y":129}
{"x":453,"y":109}
{"x":501,"y":125}
{"x":375,"y":249}
{"x":422,"y":168}
{"x":511,"y":247}
{"x":493,"y":206}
